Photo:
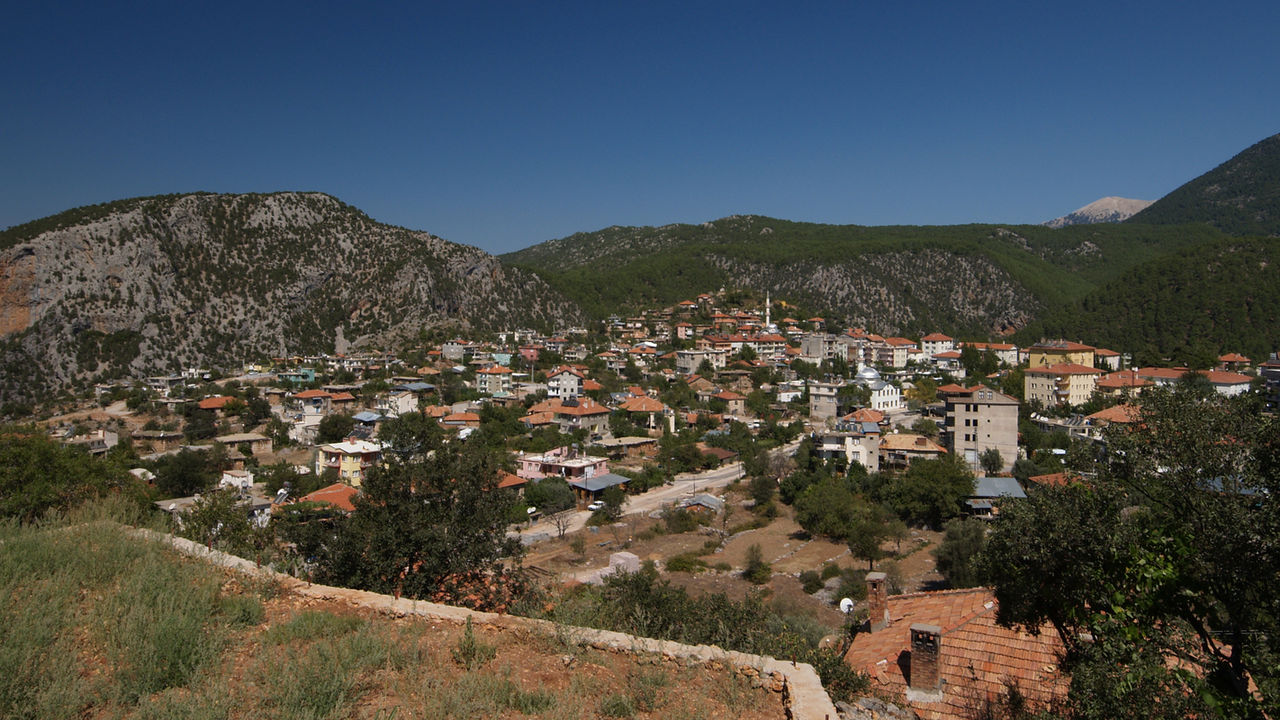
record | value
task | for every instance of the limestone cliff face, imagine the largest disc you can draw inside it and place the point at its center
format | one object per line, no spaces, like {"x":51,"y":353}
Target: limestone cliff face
{"x":156,"y":284}
{"x":897,"y":291}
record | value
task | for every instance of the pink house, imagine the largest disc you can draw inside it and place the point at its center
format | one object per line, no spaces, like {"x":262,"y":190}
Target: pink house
{"x":565,"y":462}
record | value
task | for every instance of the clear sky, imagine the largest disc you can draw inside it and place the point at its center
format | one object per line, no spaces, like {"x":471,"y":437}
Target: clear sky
{"x":505,"y":124}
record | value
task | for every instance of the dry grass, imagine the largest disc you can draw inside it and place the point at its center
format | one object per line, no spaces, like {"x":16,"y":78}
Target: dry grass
{"x":101,"y":625}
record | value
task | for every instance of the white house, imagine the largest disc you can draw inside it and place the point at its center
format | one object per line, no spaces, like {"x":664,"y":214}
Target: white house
{"x":564,"y":382}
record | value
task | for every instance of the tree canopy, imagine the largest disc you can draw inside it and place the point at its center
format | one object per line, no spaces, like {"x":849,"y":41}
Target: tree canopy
{"x":1166,"y":560}
{"x":430,"y":515}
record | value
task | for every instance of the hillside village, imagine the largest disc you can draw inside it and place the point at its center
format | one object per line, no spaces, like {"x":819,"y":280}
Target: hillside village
{"x":616,"y":436}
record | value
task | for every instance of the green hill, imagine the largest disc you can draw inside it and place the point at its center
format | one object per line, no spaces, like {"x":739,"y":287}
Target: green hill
{"x":1240,"y":197}
{"x":1190,"y":306}
{"x":961,"y":279}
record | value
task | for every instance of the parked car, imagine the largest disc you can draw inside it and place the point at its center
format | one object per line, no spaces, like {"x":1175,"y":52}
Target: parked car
{"x":597,"y":505}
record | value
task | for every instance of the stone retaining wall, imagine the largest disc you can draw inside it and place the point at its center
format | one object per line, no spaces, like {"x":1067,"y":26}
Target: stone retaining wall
{"x":802,"y":693}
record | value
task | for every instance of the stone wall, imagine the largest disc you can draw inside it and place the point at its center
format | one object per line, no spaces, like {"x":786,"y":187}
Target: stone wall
{"x":803,"y":695}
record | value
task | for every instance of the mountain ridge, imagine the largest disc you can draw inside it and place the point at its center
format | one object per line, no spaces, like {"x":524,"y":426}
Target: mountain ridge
{"x":1240,"y":196}
{"x":1103,"y":210}
{"x":897,"y":278}
{"x":152,"y":284}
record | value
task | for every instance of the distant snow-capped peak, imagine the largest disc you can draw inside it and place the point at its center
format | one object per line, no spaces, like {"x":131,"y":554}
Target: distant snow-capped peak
{"x":1106,"y":210}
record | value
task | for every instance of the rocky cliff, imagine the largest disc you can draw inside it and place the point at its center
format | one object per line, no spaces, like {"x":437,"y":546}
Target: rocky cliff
{"x":157,"y":284}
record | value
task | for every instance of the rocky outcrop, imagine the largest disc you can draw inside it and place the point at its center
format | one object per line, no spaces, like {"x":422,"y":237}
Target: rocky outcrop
{"x":896,"y":291}
{"x":1105,"y":210}
{"x":157,"y":284}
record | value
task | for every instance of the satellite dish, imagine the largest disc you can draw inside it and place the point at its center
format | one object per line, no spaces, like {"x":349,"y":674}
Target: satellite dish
{"x":846,"y":606}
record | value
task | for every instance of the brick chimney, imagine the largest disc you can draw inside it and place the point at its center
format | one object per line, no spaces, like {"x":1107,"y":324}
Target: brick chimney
{"x":926,"y":658}
{"x":878,"y":600}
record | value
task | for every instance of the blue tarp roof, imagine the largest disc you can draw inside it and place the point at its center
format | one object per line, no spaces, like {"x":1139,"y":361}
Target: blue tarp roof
{"x":599,"y":482}
{"x":365,"y":416}
{"x":993,"y":487}
{"x":415,"y":387}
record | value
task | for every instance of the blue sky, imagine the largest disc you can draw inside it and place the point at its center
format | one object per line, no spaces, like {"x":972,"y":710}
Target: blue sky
{"x":505,"y":124}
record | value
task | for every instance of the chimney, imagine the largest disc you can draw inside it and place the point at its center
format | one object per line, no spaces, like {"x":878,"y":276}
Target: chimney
{"x":926,"y":655}
{"x":878,"y":600}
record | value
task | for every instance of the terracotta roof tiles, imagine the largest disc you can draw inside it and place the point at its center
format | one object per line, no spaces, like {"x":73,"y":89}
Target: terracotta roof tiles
{"x":978,"y":657}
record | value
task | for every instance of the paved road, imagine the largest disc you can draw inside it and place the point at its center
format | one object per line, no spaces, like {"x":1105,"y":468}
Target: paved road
{"x":684,"y":485}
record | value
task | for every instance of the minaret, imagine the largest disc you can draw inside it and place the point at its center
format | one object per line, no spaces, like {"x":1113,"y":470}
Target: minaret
{"x":767,"y":324}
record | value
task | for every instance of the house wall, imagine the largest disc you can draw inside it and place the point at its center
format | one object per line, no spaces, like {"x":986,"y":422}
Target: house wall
{"x":976,"y":424}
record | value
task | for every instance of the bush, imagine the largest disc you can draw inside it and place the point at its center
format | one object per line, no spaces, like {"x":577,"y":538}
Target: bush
{"x":811,"y":581}
{"x":680,"y":520}
{"x":830,"y":570}
{"x":470,"y":653}
{"x":685,"y":562}
{"x":961,"y":545}
{"x":757,"y":570}
{"x":853,"y":584}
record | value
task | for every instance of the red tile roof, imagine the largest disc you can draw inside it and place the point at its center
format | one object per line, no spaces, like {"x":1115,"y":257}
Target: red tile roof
{"x":1233,"y":358}
{"x":1123,"y":414}
{"x":1064,"y":369}
{"x":865,"y":415}
{"x":935,"y":337}
{"x":643,"y":404}
{"x":1120,"y":380}
{"x":1222,"y":377}
{"x":338,"y":495}
{"x":507,"y":480}
{"x":217,"y":402}
{"x":1060,"y":346}
{"x":1059,"y":479}
{"x":978,"y":658}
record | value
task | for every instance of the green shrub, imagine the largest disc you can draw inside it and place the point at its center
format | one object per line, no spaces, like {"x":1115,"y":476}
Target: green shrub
{"x":647,"y":689}
{"x":685,"y":562}
{"x":470,"y":653}
{"x":309,"y":625}
{"x":757,"y":570}
{"x":680,"y":520}
{"x":617,"y":706}
{"x":811,"y":581}
{"x":830,"y":570}
{"x":241,"y":609}
{"x":853,"y":584}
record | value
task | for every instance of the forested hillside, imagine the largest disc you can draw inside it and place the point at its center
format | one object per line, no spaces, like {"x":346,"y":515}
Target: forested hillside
{"x":1240,"y":197}
{"x":1190,"y":306}
{"x":964,"y":278}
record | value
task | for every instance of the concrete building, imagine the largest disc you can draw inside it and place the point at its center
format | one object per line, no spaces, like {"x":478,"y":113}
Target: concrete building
{"x":823,"y":400}
{"x":565,"y":383}
{"x":1060,"y":352}
{"x":494,"y":380}
{"x":856,"y":442}
{"x":351,"y":459}
{"x":981,"y":419}
{"x":817,"y":347}
{"x":687,"y":361}
{"x":1062,"y":384}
